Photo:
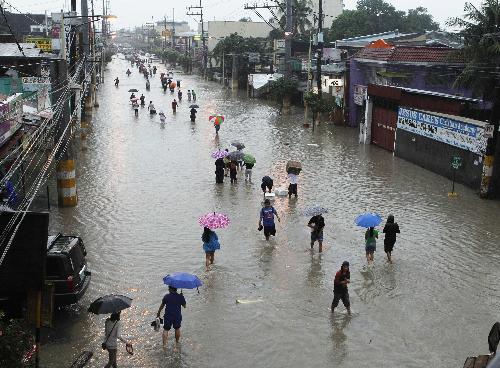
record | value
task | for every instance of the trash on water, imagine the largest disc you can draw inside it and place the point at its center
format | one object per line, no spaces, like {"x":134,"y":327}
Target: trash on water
{"x":281,"y":192}
{"x":248,"y":301}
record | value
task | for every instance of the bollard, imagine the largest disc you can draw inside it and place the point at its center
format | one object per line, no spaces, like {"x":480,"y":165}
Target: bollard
{"x":66,"y":183}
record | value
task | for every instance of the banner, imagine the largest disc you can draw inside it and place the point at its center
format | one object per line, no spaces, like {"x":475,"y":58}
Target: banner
{"x":452,"y":131}
{"x":43,"y":43}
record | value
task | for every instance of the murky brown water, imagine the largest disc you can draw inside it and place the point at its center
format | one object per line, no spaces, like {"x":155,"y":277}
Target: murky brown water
{"x":143,"y":186}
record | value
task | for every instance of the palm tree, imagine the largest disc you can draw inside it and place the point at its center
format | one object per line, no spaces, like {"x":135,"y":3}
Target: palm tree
{"x":481,"y":35}
{"x":302,"y":9}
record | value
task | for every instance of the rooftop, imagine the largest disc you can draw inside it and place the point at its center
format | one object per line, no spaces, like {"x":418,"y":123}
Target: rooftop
{"x":29,"y":49}
{"x":362,"y":41}
{"x":410,"y":55}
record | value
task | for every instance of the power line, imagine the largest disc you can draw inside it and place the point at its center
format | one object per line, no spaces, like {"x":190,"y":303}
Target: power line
{"x":11,"y":32}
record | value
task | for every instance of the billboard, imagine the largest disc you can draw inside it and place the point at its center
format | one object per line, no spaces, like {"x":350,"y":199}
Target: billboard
{"x":43,"y":43}
{"x":450,"y":130}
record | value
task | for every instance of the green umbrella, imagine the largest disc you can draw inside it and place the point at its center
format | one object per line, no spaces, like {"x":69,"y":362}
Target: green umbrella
{"x":249,"y":159}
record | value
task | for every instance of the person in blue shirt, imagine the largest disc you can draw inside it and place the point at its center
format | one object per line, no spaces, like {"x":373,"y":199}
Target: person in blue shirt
{"x":172,"y":303}
{"x":210,"y":245}
{"x":267,"y":219}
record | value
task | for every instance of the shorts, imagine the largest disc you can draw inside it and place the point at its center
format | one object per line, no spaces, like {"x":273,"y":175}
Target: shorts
{"x":264,"y":186}
{"x":388,"y":247}
{"x":168,"y":323}
{"x":269,"y":230}
{"x":341,"y":296}
{"x":316,"y":235}
{"x":370,"y":248}
{"x":292,"y":189}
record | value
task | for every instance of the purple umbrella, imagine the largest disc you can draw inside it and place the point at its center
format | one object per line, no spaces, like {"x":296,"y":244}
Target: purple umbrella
{"x":219,"y":154}
{"x":214,"y":220}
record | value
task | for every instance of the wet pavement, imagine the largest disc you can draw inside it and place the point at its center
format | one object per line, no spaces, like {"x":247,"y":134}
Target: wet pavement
{"x":142,"y":187}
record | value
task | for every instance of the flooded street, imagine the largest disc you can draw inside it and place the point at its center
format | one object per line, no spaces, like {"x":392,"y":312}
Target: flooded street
{"x":142,"y":188}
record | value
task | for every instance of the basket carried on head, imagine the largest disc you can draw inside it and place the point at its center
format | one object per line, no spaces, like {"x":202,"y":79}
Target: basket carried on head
{"x":293,"y":167}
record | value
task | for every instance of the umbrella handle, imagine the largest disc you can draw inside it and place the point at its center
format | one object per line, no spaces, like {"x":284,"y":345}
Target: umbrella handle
{"x":198,"y":290}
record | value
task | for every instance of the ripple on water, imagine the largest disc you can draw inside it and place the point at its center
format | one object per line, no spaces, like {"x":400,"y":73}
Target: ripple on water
{"x":142,"y":188}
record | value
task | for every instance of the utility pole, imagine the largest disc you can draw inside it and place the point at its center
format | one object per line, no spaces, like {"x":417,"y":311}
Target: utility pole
{"x":288,"y":38}
{"x":165,"y":32}
{"x":204,"y":63}
{"x":173,"y":27}
{"x":66,"y":175}
{"x":319,"y":49}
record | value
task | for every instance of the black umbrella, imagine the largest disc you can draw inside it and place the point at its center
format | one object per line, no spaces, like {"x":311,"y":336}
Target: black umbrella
{"x":236,"y":155}
{"x":238,"y":145}
{"x":133,"y":90}
{"x":110,"y":304}
{"x":194,"y":107}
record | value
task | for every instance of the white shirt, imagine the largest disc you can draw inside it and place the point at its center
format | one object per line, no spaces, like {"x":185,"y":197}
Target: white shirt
{"x":114,"y":335}
{"x":294,"y":179}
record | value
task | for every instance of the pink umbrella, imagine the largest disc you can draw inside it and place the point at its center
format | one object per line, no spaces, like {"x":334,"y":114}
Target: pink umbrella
{"x":214,"y":220}
{"x":219,"y":154}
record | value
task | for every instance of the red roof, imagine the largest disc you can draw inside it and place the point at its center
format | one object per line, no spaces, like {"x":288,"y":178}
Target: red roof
{"x":411,"y":54}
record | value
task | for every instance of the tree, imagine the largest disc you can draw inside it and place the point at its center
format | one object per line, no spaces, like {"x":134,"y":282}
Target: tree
{"x":318,"y":105}
{"x":282,"y":89}
{"x":418,"y":20}
{"x":245,"y":19}
{"x":480,"y":32}
{"x":377,"y":16}
{"x":302,"y":9}
{"x":236,"y":44}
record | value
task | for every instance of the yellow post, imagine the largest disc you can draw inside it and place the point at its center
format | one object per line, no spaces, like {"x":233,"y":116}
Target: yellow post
{"x":66,"y":183}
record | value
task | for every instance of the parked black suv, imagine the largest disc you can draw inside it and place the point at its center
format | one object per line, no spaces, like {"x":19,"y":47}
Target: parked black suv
{"x":66,"y":268}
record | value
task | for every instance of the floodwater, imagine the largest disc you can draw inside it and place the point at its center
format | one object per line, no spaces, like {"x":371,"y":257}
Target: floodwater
{"x":142,"y":187}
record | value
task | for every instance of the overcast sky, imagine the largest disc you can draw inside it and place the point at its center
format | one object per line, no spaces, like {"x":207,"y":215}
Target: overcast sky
{"x":134,"y":13}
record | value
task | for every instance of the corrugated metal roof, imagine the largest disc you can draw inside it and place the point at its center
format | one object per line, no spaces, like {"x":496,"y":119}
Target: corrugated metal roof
{"x":30,"y":50}
{"x":362,"y":41}
{"x":439,"y":94}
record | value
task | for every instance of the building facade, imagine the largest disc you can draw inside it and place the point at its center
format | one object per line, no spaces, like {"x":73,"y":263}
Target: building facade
{"x":217,"y":30}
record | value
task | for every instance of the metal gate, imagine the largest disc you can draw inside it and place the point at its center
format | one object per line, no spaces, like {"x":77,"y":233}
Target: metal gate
{"x":384,"y":123}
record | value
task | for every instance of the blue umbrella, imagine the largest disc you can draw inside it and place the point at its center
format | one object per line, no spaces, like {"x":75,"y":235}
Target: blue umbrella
{"x":368,"y":220}
{"x":182,"y":280}
{"x":315,"y":210}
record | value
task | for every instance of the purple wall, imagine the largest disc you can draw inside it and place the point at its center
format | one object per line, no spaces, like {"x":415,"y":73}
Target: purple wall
{"x":435,"y":79}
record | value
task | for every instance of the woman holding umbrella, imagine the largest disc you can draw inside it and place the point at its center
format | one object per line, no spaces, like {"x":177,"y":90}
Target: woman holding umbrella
{"x":113,"y":304}
{"x":210,"y":240}
{"x":210,"y":245}
{"x":112,"y":334}
{"x":369,"y":221}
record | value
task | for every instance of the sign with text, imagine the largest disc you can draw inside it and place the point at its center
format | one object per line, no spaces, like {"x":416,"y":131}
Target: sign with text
{"x":447,"y":130}
{"x":43,"y":43}
{"x":359,"y":94}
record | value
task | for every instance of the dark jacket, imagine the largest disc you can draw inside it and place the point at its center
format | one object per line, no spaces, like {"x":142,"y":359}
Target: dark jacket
{"x":390,"y":230}
{"x":219,"y":164}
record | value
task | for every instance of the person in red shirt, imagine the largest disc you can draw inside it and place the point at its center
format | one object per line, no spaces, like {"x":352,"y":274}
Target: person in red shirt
{"x":340,"y":291}
{"x":174,"y":106}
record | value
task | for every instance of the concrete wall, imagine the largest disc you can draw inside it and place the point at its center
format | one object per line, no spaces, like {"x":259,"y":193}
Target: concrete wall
{"x":436,"y":156}
{"x":216,"y":30}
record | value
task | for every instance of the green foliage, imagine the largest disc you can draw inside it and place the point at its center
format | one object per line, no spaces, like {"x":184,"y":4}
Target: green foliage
{"x":317,"y":104}
{"x":15,"y":341}
{"x":482,"y":47}
{"x":245,"y":19}
{"x":237,"y":44}
{"x":377,"y":16}
{"x":283,"y":87}
{"x":302,"y":9}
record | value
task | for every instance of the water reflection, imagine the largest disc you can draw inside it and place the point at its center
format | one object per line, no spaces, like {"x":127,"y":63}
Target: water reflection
{"x":142,"y":187}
